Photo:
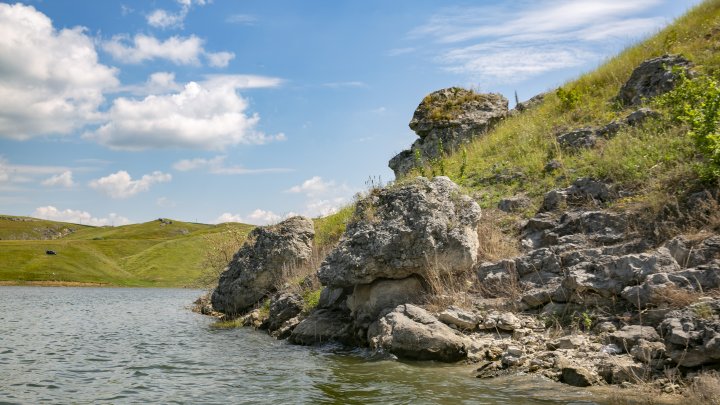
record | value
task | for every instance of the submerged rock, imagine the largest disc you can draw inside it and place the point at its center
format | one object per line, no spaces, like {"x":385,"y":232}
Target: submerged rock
{"x":258,"y":265}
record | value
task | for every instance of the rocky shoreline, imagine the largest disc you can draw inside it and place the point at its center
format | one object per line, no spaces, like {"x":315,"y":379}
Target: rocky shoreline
{"x":595,"y":294}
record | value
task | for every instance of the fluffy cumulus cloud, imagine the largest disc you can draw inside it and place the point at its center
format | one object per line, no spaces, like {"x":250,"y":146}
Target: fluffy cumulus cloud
{"x":121,"y":185}
{"x":257,"y":217}
{"x":51,"y":81}
{"x":322,"y":197}
{"x":502,"y":43}
{"x":78,"y":217}
{"x":63,"y":179}
{"x":160,"y":18}
{"x":176,"y":49}
{"x":208,"y":116}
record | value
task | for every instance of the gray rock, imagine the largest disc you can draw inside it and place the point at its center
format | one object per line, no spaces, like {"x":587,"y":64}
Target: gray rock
{"x":411,"y":332}
{"x":257,"y":266}
{"x":514,"y":204}
{"x":419,"y":228}
{"x":531,"y":103}
{"x":460,"y":318}
{"x":630,"y":335}
{"x":645,"y":351}
{"x":578,"y":376}
{"x":283,"y":308}
{"x":552,"y":166}
{"x":323,"y":326}
{"x":368,"y":300}
{"x":652,"y":78}
{"x":451,"y":116}
{"x":578,"y":138}
{"x":692,"y":335}
{"x":640,"y":116}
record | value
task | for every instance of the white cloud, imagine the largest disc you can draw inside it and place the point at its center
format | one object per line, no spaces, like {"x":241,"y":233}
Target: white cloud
{"x":500,"y":43}
{"x":219,"y":59}
{"x":121,"y":185}
{"x":217,"y":165}
{"x":77,"y":217}
{"x":51,"y":81}
{"x":201,"y":116}
{"x":244,"y":19}
{"x":312,"y":186}
{"x":241,"y":81}
{"x":257,"y":217}
{"x":322,"y":197}
{"x":164,"y":19}
{"x":165,"y":202}
{"x":338,"y":85}
{"x":14,"y":173}
{"x":63,"y":179}
{"x":179,"y":50}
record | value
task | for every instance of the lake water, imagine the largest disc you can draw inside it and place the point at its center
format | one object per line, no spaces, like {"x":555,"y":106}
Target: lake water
{"x":116,"y":345}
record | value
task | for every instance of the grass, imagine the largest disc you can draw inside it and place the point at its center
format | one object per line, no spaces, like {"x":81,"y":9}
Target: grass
{"x":655,"y":161}
{"x":152,"y":254}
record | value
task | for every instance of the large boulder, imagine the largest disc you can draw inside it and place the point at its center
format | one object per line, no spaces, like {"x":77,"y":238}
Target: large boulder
{"x":423,"y":227}
{"x":450,"y":117}
{"x":652,"y":78}
{"x":257,"y":267}
{"x":324,"y":326}
{"x":411,"y":332}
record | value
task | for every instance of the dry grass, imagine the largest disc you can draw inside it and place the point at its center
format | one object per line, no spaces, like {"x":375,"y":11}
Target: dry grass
{"x":705,"y":389}
{"x":496,"y":241}
{"x":445,"y":288}
{"x":675,"y":297}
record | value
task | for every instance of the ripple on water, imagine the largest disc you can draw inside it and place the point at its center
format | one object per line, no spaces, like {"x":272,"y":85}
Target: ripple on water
{"x":141,"y":345}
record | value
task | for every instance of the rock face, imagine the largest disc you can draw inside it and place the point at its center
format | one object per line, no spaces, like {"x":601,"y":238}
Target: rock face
{"x":411,"y":229}
{"x":652,"y":78}
{"x":254,"y":269}
{"x":411,"y":332}
{"x":692,"y":335}
{"x":450,"y":117}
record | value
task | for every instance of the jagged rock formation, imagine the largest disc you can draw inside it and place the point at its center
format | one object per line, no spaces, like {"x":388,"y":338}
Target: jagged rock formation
{"x":258,"y":265}
{"x":448,"y":117}
{"x":402,"y":238}
{"x":587,"y":137}
{"x":652,"y":78}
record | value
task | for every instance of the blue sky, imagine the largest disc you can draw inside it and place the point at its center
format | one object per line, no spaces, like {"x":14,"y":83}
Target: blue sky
{"x":115,"y":112}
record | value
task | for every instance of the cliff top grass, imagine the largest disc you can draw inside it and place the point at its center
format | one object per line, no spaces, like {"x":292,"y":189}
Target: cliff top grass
{"x":657,"y":161}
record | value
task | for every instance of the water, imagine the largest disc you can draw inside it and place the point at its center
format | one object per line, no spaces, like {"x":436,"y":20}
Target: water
{"x":107,"y":345}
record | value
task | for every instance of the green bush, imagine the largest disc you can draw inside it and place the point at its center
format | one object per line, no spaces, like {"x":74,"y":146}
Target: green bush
{"x":569,"y":99}
{"x":696,"y":102}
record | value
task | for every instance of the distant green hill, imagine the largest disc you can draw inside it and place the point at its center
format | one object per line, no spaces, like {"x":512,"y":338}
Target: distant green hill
{"x":160,"y":253}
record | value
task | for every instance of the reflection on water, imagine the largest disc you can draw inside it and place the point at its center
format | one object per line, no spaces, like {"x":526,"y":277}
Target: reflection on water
{"x":84,"y":345}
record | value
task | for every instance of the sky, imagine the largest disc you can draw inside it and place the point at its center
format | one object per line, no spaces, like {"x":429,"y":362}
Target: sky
{"x":118,"y":112}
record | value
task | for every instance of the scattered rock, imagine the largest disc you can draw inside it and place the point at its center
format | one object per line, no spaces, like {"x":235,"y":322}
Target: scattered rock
{"x":578,"y":138}
{"x":462,"y":319}
{"x":628,"y":336}
{"x":653,"y":78}
{"x":368,"y":300}
{"x":283,"y":307}
{"x":531,"y":103}
{"x":514,"y":204}
{"x":252,"y":273}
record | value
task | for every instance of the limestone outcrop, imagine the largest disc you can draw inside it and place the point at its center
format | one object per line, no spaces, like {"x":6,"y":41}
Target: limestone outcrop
{"x":652,"y":78}
{"x":446,"y":119}
{"x":259,"y":264}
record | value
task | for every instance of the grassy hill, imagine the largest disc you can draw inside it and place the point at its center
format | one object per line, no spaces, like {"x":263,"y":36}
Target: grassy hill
{"x":659,"y":162}
{"x":161,"y":253}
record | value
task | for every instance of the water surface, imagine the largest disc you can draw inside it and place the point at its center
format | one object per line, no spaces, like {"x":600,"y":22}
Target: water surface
{"x":117,"y":345}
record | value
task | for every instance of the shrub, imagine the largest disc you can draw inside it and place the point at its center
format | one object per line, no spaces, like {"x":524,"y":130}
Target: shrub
{"x":569,"y":99}
{"x":696,"y":103}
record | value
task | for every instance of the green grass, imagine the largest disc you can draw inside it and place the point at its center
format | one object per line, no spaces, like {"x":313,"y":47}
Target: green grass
{"x":654,"y":161}
{"x":151,"y":254}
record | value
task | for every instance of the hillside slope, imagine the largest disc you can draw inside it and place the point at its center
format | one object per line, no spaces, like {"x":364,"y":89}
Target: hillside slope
{"x":161,"y":253}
